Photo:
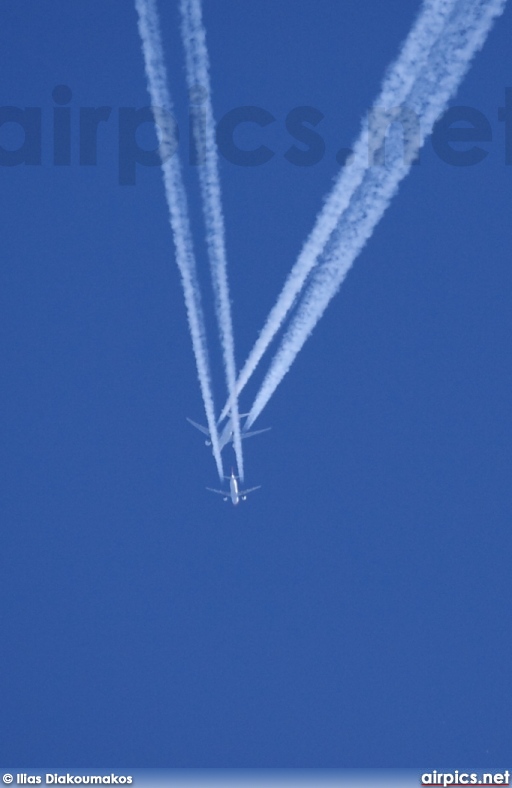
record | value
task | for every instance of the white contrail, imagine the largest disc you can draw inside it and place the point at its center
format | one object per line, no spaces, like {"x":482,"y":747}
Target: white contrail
{"x":149,"y":29}
{"x":198,"y":80}
{"x":396,"y":86}
{"x":449,"y":60}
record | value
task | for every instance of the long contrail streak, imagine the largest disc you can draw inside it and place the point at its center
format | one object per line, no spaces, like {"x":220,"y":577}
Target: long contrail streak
{"x":198,"y":79}
{"x":448,"y":61}
{"x":396,"y":86}
{"x":149,"y":29}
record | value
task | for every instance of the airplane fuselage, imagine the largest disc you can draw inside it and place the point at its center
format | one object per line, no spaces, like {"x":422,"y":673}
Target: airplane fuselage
{"x":233,"y":489}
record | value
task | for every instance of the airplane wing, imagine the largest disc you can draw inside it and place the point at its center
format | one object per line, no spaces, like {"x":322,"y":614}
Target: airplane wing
{"x":255,"y":432}
{"x":241,"y":493}
{"x":220,"y":492}
{"x":198,"y":426}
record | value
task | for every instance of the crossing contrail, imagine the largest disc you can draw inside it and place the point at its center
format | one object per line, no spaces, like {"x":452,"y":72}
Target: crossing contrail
{"x":448,"y":61}
{"x":389,"y":105}
{"x":198,"y":80}
{"x":149,"y":29}
{"x":397,"y":83}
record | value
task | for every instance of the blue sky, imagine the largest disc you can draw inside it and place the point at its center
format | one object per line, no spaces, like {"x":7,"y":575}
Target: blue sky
{"x":355,"y":612}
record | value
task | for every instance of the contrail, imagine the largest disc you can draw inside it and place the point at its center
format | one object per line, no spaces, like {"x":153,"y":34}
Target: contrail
{"x":149,"y":29}
{"x":447,"y":64}
{"x":198,"y":79}
{"x":395,"y":89}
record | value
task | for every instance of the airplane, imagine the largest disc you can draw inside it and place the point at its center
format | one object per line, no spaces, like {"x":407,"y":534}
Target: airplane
{"x":234,"y":493}
{"x":226,"y":436}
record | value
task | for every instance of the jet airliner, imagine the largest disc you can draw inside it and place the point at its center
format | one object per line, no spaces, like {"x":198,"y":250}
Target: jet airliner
{"x":226,"y":436}
{"x":234,"y":493}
